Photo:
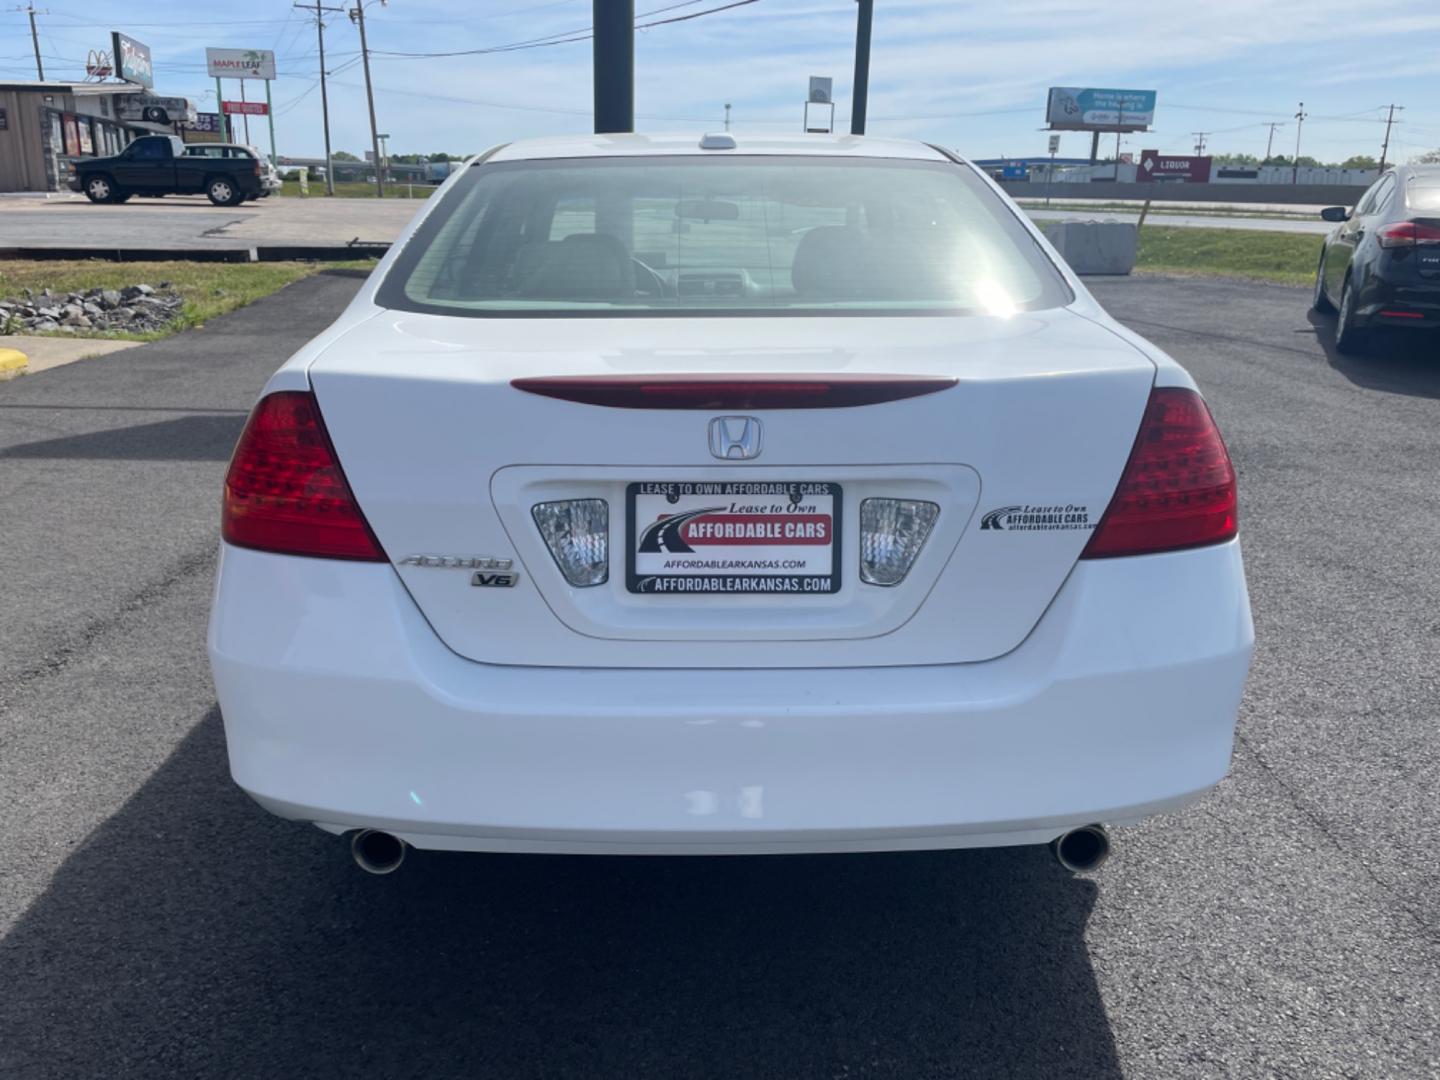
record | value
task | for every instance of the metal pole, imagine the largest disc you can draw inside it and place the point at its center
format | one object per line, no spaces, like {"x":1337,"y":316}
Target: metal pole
{"x":270,"y":112}
{"x":613,"y":60}
{"x":246,"y":115}
{"x":220,"y":110}
{"x":35,"y":40}
{"x":358,"y":13}
{"x":860,"y":102}
{"x":1095,"y":148}
{"x":727,"y":116}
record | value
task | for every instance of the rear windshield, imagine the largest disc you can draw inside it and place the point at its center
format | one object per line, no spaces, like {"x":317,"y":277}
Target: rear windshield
{"x":1423,"y":195}
{"x":734,"y":235}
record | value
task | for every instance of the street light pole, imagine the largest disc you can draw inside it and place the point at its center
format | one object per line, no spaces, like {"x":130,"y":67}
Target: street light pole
{"x":357,"y":15}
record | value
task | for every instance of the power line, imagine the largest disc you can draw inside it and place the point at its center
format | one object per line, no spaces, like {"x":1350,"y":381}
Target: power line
{"x":565,"y":37}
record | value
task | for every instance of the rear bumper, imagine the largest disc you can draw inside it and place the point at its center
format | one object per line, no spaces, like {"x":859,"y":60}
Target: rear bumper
{"x":1402,"y":298}
{"x":342,"y":707}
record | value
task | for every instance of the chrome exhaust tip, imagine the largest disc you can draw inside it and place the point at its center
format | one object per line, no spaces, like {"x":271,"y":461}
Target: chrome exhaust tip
{"x":1082,"y":849}
{"x":377,"y":852}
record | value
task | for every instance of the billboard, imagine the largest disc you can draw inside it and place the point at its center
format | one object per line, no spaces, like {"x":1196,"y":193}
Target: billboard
{"x":245,"y":108}
{"x":154,"y":110}
{"x":240,"y":63}
{"x":1158,"y":167}
{"x":132,"y":60}
{"x":1072,"y":108}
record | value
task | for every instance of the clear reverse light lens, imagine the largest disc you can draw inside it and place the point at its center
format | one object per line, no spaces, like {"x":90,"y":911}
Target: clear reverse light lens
{"x":892,"y":532}
{"x":577,"y":532}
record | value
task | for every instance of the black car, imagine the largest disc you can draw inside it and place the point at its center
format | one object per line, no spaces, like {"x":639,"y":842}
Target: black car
{"x":1381,"y":265}
{"x":158,"y":165}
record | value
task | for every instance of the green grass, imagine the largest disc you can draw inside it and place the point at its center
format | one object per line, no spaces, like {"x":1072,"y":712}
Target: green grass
{"x":1165,"y":208}
{"x":359,"y":190}
{"x":1288,"y":258}
{"x":208,"y":289}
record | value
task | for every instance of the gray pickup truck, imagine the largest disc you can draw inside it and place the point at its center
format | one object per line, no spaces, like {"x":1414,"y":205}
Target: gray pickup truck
{"x":158,"y":165}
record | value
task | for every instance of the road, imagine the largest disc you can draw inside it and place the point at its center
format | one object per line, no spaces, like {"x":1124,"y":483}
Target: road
{"x":192,"y":223}
{"x":156,"y":923}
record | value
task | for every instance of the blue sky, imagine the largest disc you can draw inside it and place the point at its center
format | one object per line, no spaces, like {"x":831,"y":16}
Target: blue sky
{"x":970,"y":74}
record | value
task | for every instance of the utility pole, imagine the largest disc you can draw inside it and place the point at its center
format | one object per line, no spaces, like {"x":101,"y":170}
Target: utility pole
{"x":1200,"y":142}
{"x":1270,"y":142}
{"x":1299,"y":123}
{"x":861,"y":92}
{"x":613,"y":63}
{"x":357,"y":16}
{"x":727,"y":116}
{"x":34,"y":36}
{"x":318,"y":8}
{"x":1385,"y":148}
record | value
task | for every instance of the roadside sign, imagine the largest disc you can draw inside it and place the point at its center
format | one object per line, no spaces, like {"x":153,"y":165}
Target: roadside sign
{"x":821,"y":89}
{"x":240,"y":63}
{"x":245,"y":108}
{"x":132,"y":60}
{"x":1054,"y":145}
{"x":1155,"y":166}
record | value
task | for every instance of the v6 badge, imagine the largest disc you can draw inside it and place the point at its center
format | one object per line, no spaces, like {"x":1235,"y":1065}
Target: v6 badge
{"x":494,"y":579}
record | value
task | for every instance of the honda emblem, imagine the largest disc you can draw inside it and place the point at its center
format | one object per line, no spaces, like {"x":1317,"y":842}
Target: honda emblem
{"x":735,"y":437}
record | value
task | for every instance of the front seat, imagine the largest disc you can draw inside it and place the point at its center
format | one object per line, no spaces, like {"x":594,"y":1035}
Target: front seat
{"x":584,"y":266}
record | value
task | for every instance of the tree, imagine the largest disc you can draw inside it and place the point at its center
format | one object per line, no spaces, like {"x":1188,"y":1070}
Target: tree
{"x":343,"y":155}
{"x":1360,"y":161}
{"x":1430,"y":157}
{"x":1236,"y":159}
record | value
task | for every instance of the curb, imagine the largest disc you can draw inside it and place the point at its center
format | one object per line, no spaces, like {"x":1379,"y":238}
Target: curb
{"x":12,"y":362}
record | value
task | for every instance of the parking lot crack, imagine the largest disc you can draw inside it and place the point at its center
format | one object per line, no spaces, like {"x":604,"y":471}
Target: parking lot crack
{"x":70,"y":647}
{"x":1293,"y":797}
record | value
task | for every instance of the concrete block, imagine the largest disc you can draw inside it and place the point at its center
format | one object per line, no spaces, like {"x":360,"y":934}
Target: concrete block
{"x":1095,"y":247}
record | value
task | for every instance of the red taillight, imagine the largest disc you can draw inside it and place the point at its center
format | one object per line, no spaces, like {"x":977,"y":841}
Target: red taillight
{"x":1178,"y":488}
{"x":732,"y":392}
{"x":1406,"y":234}
{"x":285,"y":492}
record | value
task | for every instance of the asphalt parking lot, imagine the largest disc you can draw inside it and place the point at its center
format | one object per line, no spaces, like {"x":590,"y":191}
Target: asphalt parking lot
{"x":156,"y":923}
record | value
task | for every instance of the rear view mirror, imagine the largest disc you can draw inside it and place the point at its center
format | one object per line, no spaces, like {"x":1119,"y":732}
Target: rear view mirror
{"x":707,"y":210}
{"x":1335,"y":213}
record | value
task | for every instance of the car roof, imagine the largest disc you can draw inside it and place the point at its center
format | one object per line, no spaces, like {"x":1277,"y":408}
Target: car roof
{"x":631,"y":145}
{"x":227,"y":145}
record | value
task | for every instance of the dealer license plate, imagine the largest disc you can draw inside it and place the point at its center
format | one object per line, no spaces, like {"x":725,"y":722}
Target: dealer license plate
{"x":751,"y":537}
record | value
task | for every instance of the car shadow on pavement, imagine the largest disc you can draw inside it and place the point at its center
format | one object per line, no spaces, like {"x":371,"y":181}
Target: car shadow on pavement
{"x":193,"y":935}
{"x":1399,"y":362}
{"x":204,"y":437}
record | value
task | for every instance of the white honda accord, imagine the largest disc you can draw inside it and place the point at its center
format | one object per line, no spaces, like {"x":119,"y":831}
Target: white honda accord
{"x":727,"y":495}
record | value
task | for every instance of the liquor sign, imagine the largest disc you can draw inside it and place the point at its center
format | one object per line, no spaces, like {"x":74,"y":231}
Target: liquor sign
{"x":245,"y":108}
{"x":240,"y":63}
{"x":1155,"y":166}
{"x":1072,"y":108}
{"x":132,"y":60}
{"x":208,"y":122}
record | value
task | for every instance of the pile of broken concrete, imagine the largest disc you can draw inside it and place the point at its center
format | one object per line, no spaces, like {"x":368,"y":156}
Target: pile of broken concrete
{"x":136,"y":309}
